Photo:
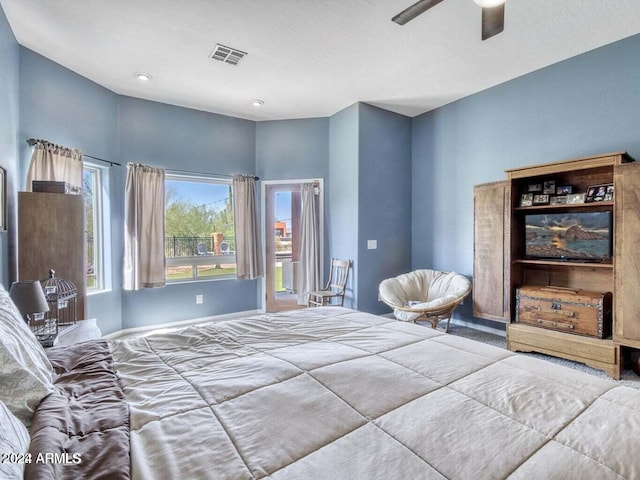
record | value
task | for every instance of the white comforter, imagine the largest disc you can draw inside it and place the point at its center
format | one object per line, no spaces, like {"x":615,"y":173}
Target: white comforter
{"x":331,"y":393}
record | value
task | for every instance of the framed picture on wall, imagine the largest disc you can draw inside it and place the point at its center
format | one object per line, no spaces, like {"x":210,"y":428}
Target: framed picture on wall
{"x":3,"y":199}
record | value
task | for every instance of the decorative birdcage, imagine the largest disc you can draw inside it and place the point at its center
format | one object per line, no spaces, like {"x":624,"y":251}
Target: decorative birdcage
{"x":61,"y":296}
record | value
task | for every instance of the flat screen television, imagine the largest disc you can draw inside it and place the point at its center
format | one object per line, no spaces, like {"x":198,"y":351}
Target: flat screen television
{"x":584,"y":236}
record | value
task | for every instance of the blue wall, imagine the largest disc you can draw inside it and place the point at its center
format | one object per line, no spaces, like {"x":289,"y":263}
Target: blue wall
{"x":407,"y":183}
{"x":342,"y":206}
{"x":63,"y":107}
{"x":384,"y":202}
{"x":370,"y":198}
{"x":586,"y":105}
{"x":292,"y":149}
{"x":59,"y":105}
{"x":9,"y":75}
{"x":184,"y":139}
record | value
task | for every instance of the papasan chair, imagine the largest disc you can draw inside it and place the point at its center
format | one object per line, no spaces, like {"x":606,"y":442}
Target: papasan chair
{"x":428,"y":295}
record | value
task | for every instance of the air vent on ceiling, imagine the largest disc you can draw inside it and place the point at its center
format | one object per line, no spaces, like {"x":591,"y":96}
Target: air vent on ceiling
{"x":228,"y":55}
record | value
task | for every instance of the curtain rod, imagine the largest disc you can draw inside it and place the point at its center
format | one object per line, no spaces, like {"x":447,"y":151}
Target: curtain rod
{"x":169,"y":170}
{"x":32,"y":142}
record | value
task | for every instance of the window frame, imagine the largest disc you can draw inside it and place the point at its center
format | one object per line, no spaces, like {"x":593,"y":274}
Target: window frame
{"x":195,"y":261}
{"x":98,"y":229}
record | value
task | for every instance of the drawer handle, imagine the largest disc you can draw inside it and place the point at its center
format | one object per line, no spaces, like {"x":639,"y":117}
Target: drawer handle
{"x":554,"y":311}
{"x":556,"y":324}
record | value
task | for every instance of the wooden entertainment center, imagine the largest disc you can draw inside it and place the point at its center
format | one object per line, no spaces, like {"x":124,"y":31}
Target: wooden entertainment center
{"x":502,"y":265}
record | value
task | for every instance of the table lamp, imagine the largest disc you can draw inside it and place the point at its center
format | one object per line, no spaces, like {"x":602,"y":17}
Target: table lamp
{"x":29,"y":298}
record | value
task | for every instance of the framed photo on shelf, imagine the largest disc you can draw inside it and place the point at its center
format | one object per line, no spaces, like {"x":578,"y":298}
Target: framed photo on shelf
{"x":526,"y":199}
{"x":575,"y":198}
{"x":534,"y":187}
{"x":541,"y":199}
{"x":549,"y":187}
{"x":558,"y":200}
{"x":564,"y":189}
{"x":599,"y":193}
{"x":608,"y":197}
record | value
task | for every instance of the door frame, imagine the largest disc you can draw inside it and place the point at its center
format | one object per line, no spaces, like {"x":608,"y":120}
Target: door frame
{"x":263,"y":213}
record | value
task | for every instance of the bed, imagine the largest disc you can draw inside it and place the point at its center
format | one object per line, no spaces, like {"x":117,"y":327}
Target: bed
{"x":327,"y":393}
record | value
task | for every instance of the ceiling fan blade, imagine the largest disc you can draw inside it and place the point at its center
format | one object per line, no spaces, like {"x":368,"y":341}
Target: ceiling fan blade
{"x":414,"y":10}
{"x":492,"y":21}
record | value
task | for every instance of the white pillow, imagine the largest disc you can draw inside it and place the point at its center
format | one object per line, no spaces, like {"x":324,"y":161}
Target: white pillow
{"x":26,"y":374}
{"x":14,"y":440}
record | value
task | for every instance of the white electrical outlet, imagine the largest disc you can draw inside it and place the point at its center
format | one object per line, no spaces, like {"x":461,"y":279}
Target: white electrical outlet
{"x":199,"y":299}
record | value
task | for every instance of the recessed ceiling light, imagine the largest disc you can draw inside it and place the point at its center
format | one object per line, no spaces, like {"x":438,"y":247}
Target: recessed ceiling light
{"x":143,"y":77}
{"x":257,"y":102}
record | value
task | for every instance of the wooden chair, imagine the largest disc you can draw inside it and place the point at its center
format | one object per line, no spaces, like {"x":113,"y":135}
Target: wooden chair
{"x":336,"y":285}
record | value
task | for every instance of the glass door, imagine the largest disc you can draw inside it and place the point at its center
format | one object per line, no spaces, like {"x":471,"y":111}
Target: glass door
{"x":282,"y":227}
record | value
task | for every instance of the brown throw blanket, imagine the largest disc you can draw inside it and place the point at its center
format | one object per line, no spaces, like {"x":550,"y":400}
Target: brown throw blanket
{"x":82,"y":429}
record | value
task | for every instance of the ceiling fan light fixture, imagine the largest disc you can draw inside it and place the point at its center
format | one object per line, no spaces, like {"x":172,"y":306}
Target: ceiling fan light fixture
{"x":489,"y":3}
{"x":492,"y":14}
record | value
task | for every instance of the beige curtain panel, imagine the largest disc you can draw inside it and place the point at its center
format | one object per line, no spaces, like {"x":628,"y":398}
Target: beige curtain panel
{"x":248,"y":244}
{"x":144,"y":261}
{"x":55,"y":163}
{"x":309,"y":265}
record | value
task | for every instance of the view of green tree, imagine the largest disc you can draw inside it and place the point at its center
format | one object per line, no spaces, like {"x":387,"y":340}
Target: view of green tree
{"x":87,"y":179}
{"x":184,"y":218}
{"x":89,"y":188}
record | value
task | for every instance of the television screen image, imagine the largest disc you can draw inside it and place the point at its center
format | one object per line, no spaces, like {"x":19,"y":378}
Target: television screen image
{"x":569,"y":236}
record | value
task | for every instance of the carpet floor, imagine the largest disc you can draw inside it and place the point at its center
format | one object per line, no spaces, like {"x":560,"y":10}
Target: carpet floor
{"x":629,"y":378}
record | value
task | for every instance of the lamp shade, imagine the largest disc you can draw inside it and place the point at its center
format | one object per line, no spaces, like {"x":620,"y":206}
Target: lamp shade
{"x":29,"y":297}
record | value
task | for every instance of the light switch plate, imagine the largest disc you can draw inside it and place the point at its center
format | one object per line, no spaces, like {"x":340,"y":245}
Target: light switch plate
{"x":372,"y":244}
{"x":199,"y":299}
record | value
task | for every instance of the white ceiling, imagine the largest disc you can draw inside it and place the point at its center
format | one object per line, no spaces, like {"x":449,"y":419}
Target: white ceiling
{"x":310,"y":58}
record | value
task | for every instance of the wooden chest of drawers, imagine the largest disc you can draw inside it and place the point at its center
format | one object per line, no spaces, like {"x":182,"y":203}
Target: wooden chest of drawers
{"x":565,"y":310}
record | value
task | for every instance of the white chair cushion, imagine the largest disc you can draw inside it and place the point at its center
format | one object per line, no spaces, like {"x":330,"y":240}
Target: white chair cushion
{"x":420,"y":290}
{"x":444,"y":284}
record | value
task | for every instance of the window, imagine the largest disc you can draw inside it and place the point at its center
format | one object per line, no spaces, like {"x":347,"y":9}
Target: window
{"x":92,"y":187}
{"x":200,"y":234}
